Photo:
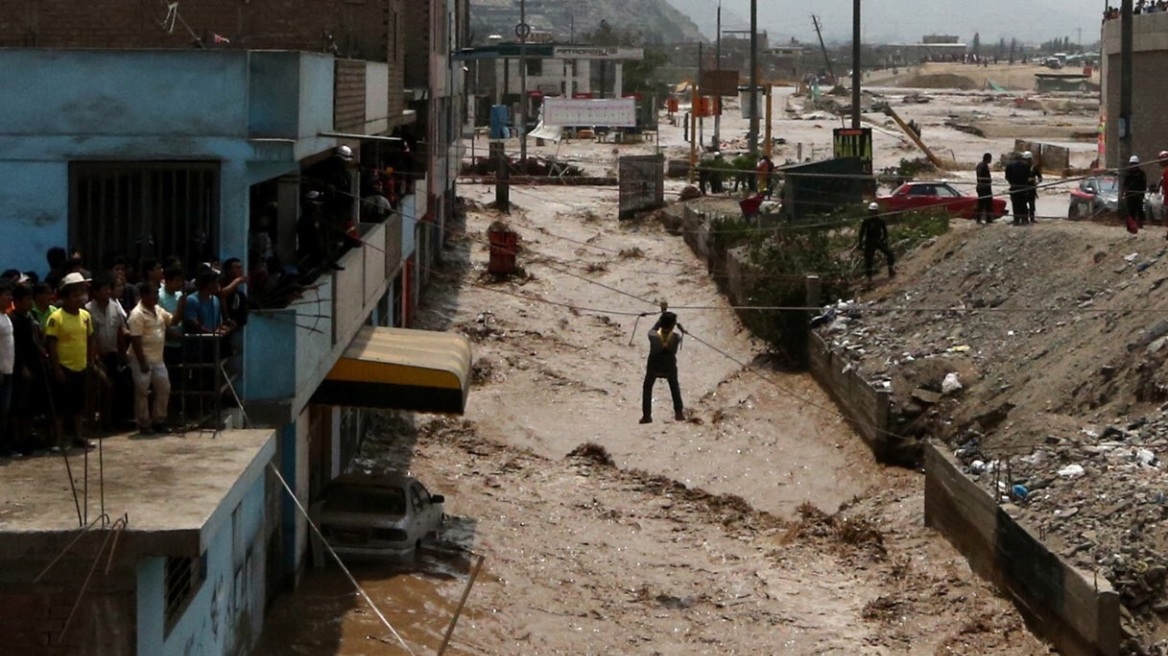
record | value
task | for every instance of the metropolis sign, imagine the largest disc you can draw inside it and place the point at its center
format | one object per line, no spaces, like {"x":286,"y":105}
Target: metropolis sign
{"x":597,"y":52}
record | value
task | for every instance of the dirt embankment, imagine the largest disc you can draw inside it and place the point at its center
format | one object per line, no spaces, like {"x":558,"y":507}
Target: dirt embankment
{"x":1057,"y":337}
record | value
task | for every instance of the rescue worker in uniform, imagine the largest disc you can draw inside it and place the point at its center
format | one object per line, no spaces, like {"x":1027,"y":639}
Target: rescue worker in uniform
{"x":985,"y":190}
{"x":1135,"y":185}
{"x":1017,"y":172}
{"x":874,"y":237}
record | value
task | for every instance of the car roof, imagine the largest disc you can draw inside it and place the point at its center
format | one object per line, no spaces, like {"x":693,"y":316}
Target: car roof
{"x":373,"y":480}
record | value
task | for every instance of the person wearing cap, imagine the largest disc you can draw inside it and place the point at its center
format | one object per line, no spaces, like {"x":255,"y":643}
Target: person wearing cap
{"x":1135,"y":185}
{"x":664,"y":342}
{"x":1033,"y":178}
{"x":1017,"y":173}
{"x":985,"y":190}
{"x":874,"y":237}
{"x":69,"y":337}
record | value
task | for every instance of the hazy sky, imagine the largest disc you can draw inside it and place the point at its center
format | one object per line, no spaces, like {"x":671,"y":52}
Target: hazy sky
{"x":887,"y":20}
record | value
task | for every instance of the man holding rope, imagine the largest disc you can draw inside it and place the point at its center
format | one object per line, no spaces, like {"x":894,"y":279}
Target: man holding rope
{"x":664,"y":342}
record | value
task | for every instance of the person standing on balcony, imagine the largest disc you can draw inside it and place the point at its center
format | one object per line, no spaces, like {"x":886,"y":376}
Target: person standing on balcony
{"x":72,"y":353}
{"x":109,"y":330}
{"x":8,"y":445}
{"x":202,"y":317}
{"x":148,"y":325}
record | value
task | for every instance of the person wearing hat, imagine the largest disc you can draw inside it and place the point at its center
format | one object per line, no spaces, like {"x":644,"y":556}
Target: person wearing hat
{"x":664,"y":342}
{"x":69,"y":337}
{"x":1135,"y":185}
{"x":1017,"y":174}
{"x":874,"y":237}
{"x":1033,"y":178}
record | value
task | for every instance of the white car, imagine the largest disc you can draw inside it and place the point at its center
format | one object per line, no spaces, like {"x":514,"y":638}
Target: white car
{"x":375,"y":516}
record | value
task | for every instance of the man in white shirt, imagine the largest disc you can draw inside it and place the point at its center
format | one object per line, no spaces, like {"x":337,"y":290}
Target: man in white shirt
{"x":109,"y":333}
{"x":7,"y":365}
{"x":148,"y":324}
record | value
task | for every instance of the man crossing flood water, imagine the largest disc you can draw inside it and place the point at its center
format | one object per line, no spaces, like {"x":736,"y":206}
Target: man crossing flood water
{"x":664,"y":342}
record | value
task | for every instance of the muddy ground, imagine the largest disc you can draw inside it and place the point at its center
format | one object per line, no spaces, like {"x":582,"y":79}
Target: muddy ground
{"x":758,"y":525}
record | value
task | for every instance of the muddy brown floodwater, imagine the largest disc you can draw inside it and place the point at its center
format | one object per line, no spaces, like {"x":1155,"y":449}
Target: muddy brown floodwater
{"x":758,"y":525}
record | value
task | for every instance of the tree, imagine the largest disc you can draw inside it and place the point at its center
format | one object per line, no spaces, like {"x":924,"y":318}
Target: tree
{"x":1001,"y":53}
{"x":976,"y":43}
{"x":1013,"y":49}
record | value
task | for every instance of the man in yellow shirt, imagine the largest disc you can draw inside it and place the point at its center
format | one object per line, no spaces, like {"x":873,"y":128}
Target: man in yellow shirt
{"x":148,"y":324}
{"x":69,"y":337}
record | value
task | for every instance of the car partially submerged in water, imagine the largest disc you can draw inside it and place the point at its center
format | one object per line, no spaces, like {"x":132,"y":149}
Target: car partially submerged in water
{"x":370,"y":516}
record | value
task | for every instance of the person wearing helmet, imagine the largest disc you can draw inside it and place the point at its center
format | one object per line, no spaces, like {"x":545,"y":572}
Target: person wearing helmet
{"x":985,"y":190}
{"x":1135,"y":185}
{"x":1033,"y":177}
{"x":1017,"y":173}
{"x":874,"y":237}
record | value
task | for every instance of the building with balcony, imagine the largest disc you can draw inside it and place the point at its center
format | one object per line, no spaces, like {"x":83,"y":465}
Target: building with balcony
{"x":157,"y":152}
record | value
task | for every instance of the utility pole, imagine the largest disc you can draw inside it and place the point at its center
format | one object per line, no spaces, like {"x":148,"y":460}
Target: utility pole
{"x":1125,"y":100}
{"x":822,"y":47}
{"x":701,"y":65}
{"x":717,"y":142}
{"x":523,"y":30}
{"x":753,"y":135}
{"x":856,"y":73}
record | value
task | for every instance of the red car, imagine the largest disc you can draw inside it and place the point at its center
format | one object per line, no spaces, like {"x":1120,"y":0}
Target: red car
{"x":941,"y":195}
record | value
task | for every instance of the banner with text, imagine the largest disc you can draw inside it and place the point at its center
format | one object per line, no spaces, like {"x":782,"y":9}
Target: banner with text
{"x":613,"y":113}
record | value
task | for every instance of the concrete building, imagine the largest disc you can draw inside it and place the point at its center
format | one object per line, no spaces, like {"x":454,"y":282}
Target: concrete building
{"x":494,"y":76}
{"x":157,"y":151}
{"x":1150,"y":57}
{"x":930,"y":48}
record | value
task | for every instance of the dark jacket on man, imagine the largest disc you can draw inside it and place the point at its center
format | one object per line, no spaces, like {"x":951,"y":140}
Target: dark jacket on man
{"x":1017,"y":173}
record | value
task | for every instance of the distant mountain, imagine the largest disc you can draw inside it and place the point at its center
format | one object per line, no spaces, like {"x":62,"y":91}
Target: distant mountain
{"x":705,"y":14}
{"x":1030,"y":21}
{"x":655,"y":20}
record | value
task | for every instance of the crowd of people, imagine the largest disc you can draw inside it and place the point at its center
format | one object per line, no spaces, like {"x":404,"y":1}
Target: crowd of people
{"x":104,"y":349}
{"x":1140,"y":7}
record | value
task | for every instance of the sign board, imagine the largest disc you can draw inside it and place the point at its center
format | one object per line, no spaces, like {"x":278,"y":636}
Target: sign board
{"x":613,"y":113}
{"x":705,"y":106}
{"x":719,"y":83}
{"x":853,"y":142}
{"x":597,"y":52}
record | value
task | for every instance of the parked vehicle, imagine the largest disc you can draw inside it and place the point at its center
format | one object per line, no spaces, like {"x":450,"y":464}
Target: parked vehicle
{"x":1095,"y":195}
{"x":375,"y":516}
{"x":936,"y":195}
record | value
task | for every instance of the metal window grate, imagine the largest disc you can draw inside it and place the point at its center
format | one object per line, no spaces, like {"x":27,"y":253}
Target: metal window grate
{"x":184,"y":577}
{"x":144,"y":209}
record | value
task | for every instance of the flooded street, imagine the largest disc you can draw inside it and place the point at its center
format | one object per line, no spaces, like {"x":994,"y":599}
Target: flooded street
{"x":760,"y":524}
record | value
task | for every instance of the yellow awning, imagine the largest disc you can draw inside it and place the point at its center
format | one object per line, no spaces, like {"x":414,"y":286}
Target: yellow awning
{"x":400,"y":369}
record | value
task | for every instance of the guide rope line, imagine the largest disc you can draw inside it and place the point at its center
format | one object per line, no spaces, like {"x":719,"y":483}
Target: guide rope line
{"x":348,"y":574}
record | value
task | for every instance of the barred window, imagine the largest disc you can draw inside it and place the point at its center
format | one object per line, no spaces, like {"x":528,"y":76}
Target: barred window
{"x":144,"y":209}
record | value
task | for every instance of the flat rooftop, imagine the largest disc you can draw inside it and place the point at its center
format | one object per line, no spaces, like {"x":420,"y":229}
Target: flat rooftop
{"x":175,"y":489}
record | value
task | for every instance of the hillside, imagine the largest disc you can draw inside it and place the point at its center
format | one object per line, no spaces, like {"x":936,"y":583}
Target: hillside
{"x":1056,"y":333}
{"x":656,"y":20}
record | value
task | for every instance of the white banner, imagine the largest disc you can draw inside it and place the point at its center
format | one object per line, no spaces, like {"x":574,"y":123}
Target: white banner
{"x":597,"y":52}
{"x":579,"y":112}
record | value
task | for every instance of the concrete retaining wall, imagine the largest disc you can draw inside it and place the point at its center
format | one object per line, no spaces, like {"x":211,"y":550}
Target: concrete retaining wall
{"x":1076,"y":613}
{"x":864,"y":406}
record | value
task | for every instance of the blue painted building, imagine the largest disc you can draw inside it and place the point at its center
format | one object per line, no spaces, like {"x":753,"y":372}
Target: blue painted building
{"x":159,"y":152}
